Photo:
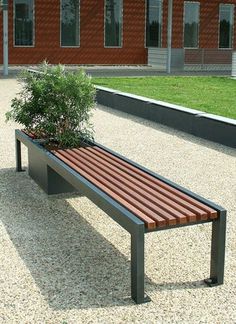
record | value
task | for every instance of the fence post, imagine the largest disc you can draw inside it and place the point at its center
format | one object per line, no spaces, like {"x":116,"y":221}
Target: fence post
{"x":4,"y":5}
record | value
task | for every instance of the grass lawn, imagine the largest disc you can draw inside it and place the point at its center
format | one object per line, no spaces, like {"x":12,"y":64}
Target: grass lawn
{"x":216,"y":95}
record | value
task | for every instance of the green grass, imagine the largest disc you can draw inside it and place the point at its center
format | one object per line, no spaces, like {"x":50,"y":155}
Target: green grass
{"x":215,"y":95}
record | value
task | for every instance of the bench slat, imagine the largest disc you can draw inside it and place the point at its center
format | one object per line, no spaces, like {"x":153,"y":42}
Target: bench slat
{"x":155,"y":196}
{"x":154,"y":189}
{"x":124,"y":199}
{"x":172,"y":217}
{"x":143,"y":196}
{"x":119,"y":190}
{"x":156,"y":203}
{"x":211,"y":212}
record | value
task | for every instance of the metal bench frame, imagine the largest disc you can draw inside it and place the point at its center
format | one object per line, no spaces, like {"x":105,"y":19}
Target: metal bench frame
{"x":126,"y":219}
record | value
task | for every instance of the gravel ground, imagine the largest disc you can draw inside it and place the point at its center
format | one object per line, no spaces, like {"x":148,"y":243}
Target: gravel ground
{"x":62,"y":260}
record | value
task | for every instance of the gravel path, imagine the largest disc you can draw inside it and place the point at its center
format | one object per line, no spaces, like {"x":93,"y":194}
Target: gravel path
{"x":62,"y":260}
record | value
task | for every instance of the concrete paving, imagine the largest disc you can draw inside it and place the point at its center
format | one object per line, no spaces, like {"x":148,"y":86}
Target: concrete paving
{"x":120,"y":71}
{"x":62,"y":260}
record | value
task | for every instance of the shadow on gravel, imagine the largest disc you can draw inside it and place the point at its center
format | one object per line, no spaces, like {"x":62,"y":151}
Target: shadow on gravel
{"x":73,"y":265}
{"x":171,"y":131}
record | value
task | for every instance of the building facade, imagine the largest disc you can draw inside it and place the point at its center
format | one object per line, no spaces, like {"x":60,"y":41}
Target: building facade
{"x":122,"y":32}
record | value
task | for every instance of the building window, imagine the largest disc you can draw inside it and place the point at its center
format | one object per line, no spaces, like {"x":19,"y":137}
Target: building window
{"x":24,"y":22}
{"x":113,"y":23}
{"x":153,"y":23}
{"x":191,"y":24}
{"x":70,"y":23}
{"x":226,"y":17}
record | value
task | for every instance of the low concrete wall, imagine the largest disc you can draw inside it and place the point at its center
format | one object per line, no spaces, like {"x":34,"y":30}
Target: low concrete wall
{"x":215,"y":128}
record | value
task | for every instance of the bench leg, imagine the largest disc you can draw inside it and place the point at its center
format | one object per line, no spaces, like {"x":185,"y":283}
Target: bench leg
{"x":217,"y":251}
{"x":137,"y":266}
{"x":18,"y":156}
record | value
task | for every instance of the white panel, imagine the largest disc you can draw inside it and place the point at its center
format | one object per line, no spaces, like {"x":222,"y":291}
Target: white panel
{"x":157,"y":57}
{"x":234,"y":64}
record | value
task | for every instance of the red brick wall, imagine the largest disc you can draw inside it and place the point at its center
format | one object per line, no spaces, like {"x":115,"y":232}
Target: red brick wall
{"x":208,"y":52}
{"x":208,"y":56}
{"x":177,"y":23}
{"x":92,"y":51}
{"x":209,"y":23}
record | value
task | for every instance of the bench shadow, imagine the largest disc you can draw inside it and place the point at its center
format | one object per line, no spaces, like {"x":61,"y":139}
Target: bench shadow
{"x":72,"y":264}
{"x":171,"y":131}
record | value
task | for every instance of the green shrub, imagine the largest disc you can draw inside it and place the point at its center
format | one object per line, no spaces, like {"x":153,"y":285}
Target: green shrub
{"x":55,"y":105}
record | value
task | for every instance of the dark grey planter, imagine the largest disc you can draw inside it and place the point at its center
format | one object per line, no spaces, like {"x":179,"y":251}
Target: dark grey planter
{"x":39,"y":170}
{"x":211,"y":127}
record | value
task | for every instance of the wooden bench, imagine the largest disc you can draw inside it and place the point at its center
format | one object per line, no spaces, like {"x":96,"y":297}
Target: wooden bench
{"x":136,"y":198}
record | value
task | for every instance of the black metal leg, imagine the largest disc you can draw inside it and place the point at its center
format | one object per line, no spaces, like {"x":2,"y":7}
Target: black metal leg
{"x":18,"y":156}
{"x":217,"y":251}
{"x":137,"y":266}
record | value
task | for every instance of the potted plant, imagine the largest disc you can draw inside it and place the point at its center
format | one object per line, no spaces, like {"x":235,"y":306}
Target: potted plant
{"x":54,"y":107}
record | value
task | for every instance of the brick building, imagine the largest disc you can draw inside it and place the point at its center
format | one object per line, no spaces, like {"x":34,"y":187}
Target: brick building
{"x":121,"y":32}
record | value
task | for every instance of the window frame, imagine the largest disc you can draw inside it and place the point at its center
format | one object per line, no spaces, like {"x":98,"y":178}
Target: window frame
{"x":14,"y":25}
{"x":104,"y":26}
{"x":232,"y":40}
{"x":69,"y":46}
{"x":199,"y":20}
{"x":161,"y":33}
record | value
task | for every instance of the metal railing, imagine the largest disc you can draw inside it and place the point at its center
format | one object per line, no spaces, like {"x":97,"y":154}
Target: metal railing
{"x":205,"y":56}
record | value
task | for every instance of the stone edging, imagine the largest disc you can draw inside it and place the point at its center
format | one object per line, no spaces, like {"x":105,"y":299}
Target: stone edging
{"x":211,"y":127}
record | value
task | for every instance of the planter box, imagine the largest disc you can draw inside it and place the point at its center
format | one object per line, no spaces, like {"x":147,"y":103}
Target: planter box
{"x":211,"y":127}
{"x":39,"y":170}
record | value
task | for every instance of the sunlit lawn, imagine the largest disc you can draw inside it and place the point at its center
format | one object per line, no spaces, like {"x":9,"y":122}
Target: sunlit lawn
{"x":216,"y":95}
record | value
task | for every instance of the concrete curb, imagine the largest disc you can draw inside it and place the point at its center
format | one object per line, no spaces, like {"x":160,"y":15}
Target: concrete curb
{"x":211,"y":127}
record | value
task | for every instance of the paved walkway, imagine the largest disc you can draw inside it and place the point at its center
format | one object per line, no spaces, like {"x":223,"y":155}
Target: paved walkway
{"x":64,"y":261}
{"x":121,"y":71}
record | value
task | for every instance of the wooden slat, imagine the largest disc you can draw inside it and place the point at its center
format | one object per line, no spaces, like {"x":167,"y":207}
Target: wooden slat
{"x":157,"y":206}
{"x":161,"y":194}
{"x":97,"y":181}
{"x":211,"y":212}
{"x":170,"y":205}
{"x":31,"y":135}
{"x":115,"y":187}
{"x":145,"y":190}
{"x":160,"y":209}
{"x":152,"y":200}
{"x":157,"y":191}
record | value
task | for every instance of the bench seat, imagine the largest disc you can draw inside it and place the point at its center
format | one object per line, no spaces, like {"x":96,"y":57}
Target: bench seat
{"x":156,"y":203}
{"x":138,"y":199}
